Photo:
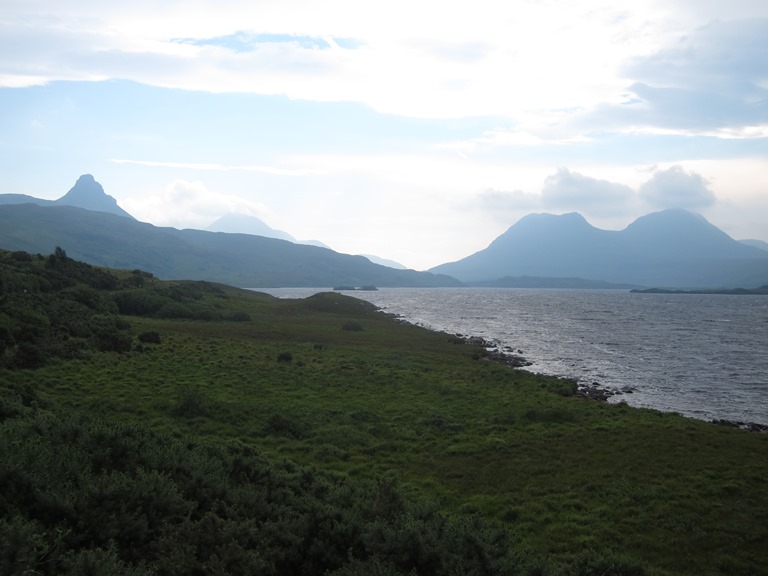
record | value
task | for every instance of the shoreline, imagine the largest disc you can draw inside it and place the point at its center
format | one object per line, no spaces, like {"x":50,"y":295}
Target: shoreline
{"x":514,"y":358}
{"x":596,"y":391}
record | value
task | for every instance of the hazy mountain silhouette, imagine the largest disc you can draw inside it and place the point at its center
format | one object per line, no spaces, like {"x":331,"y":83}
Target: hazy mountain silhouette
{"x":235,"y":223}
{"x":242,"y":260}
{"x":384,"y":262}
{"x":672,"y":248}
{"x":88,"y":194}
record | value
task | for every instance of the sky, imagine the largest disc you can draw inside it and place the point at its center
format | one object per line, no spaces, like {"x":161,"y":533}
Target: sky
{"x":417,"y":131}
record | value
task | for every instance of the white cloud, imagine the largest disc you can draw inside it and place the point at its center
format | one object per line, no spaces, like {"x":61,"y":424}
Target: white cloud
{"x":188,"y":204}
{"x":565,"y":190}
{"x":542,"y":64}
{"x":428,"y":59}
{"x":677,"y":188}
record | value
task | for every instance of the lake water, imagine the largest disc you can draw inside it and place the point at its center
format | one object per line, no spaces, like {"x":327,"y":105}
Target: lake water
{"x":704,"y":356}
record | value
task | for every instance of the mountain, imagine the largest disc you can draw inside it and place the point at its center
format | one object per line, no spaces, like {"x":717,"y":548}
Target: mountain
{"x":384,"y":262}
{"x":242,"y":260}
{"x":235,"y":223}
{"x":671,"y":248}
{"x":244,"y":224}
{"x":86,"y":193}
{"x":756,"y":243}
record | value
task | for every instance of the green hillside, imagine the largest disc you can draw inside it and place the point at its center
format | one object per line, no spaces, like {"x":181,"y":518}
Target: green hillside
{"x":151,"y":427}
{"x":236,"y":259}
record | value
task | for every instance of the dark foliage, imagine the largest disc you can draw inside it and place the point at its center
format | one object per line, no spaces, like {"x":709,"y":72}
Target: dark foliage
{"x":83,"y":496}
{"x":150,"y":337}
{"x":56,"y":308}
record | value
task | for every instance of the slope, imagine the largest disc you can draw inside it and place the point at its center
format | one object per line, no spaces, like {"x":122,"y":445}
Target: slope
{"x":237,"y":259}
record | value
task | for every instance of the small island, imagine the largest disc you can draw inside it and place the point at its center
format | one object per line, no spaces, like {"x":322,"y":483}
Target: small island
{"x":367,"y":288}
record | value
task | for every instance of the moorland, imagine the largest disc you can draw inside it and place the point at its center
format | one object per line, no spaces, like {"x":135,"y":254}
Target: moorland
{"x":173,"y":427}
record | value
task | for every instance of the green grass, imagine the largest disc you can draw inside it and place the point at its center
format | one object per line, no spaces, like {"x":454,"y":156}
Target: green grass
{"x":571,"y":479}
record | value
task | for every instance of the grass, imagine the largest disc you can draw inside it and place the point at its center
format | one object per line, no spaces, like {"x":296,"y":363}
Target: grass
{"x":364,"y":395}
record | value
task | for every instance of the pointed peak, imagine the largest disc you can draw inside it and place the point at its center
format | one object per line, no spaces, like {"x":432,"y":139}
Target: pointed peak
{"x":88,"y":193}
{"x":87,"y":179}
{"x":86,"y":187}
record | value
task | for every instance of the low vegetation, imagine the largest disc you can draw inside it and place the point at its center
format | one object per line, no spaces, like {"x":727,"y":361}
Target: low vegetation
{"x":151,"y":427}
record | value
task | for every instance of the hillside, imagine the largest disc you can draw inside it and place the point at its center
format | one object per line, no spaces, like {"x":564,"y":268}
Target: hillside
{"x":153,"y":427}
{"x":672,"y":248}
{"x":237,"y":259}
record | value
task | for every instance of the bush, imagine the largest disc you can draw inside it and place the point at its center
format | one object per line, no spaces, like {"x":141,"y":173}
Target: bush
{"x":138,"y":302}
{"x":352,"y":326}
{"x":285,"y":357}
{"x":150,"y":337}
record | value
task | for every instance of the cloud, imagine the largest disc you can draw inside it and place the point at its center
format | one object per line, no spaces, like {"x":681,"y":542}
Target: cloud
{"x":709,"y":82}
{"x":275,"y":171}
{"x":188,"y":203}
{"x":505,"y":206}
{"x":676,"y":188}
{"x":243,"y":41}
{"x":425,"y":60}
{"x":566,"y":190}
{"x":723,"y":56}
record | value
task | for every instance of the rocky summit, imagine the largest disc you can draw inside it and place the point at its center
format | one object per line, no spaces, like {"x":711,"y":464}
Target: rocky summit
{"x":88,"y":193}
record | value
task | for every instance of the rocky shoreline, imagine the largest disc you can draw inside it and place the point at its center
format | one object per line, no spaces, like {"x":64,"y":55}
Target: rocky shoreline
{"x":507,"y":355}
{"x":493,"y":353}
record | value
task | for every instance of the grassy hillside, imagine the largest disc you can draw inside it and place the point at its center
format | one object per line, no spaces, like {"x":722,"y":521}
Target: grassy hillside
{"x":236,"y":259}
{"x":181,"y":428}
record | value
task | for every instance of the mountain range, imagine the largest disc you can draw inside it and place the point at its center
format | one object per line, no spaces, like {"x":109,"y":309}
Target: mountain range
{"x":667,"y":249}
{"x":671,"y":248}
{"x":90,"y":226}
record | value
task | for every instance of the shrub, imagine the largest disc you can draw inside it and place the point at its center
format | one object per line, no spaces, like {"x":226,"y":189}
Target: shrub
{"x":21,"y":256}
{"x":352,"y":326}
{"x":284,"y":357}
{"x":138,"y":302}
{"x":150,"y":337}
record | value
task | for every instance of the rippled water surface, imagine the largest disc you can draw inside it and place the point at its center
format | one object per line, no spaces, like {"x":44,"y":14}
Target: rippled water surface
{"x":705,"y":356}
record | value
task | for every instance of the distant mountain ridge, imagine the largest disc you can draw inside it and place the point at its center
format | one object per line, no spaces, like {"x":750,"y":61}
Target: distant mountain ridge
{"x":235,"y":223}
{"x":242,"y":260}
{"x":86,"y":193}
{"x":90,"y":226}
{"x":667,"y":249}
{"x":671,"y":248}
